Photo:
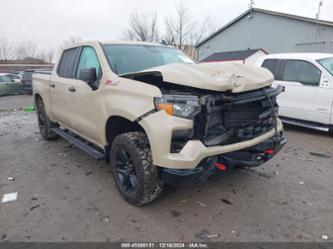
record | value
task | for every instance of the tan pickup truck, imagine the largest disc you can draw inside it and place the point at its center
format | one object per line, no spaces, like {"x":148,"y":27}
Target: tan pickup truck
{"x":156,"y":115}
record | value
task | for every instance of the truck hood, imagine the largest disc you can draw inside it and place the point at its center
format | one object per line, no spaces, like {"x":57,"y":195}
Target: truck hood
{"x":220,"y":76}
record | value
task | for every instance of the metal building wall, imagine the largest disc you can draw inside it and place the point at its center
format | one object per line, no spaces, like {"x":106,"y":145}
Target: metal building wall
{"x":275,"y":34}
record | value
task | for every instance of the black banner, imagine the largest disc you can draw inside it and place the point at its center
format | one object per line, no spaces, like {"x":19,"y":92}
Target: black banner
{"x":114,"y":245}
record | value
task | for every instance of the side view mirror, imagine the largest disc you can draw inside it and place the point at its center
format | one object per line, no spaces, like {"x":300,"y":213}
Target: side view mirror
{"x":88,"y":75}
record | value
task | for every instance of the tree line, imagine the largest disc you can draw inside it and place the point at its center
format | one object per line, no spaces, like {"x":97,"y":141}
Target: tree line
{"x":27,"y":51}
{"x":177,"y":29}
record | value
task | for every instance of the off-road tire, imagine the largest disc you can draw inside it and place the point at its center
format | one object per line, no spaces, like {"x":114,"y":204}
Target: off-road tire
{"x":44,"y":123}
{"x":149,"y":185}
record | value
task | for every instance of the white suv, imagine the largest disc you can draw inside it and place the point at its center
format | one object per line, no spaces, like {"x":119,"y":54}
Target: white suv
{"x":308,"y":81}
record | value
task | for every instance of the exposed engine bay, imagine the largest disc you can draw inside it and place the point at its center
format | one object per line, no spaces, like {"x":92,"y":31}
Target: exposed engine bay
{"x":227,"y":118}
{"x":221,"y":117}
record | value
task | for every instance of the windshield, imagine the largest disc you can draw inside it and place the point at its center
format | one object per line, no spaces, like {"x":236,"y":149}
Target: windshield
{"x":327,"y":63}
{"x":133,"y":58}
{"x":13,"y":76}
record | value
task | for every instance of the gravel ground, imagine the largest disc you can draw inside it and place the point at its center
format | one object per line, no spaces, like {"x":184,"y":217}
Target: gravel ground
{"x":64,"y":195}
{"x":15,"y":102}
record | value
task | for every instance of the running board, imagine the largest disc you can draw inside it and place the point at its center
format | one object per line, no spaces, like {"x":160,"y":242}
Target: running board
{"x":304,"y":124}
{"x":79,"y":143}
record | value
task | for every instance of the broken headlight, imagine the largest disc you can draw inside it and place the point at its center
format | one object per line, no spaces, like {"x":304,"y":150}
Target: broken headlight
{"x":185,"y":106}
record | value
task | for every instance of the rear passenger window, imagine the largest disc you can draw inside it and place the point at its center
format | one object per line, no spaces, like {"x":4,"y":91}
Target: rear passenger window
{"x":271,"y":65}
{"x":67,"y":64}
{"x":301,"y":71}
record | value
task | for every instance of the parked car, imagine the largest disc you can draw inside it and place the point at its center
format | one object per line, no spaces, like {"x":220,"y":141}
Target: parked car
{"x":14,"y":77}
{"x":26,"y":86}
{"x":157,"y":116}
{"x":19,"y":73}
{"x":308,"y":82}
{"x":8,"y":86}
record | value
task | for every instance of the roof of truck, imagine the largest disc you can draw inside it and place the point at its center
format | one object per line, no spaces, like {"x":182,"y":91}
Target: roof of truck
{"x":115,"y":42}
{"x":132,"y":42}
{"x":118,"y":42}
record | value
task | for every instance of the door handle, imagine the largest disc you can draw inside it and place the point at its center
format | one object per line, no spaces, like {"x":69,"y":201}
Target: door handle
{"x":72,"y":89}
{"x":283,"y":88}
{"x":52,"y":85}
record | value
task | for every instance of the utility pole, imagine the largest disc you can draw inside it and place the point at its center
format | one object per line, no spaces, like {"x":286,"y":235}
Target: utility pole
{"x":319,"y":8}
{"x":318,"y":14}
{"x":251,"y":4}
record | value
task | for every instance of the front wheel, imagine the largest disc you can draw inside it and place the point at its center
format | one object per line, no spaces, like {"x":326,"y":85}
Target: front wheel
{"x":135,"y":175}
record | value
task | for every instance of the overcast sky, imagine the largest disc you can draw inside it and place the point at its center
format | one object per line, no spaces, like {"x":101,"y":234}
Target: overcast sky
{"x":48,"y":22}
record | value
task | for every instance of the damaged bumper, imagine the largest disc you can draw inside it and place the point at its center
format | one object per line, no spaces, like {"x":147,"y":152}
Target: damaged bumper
{"x":227,"y":123}
{"x":159,"y":128}
{"x":251,"y":157}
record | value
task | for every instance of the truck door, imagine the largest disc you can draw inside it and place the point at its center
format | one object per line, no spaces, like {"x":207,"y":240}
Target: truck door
{"x":61,"y":80}
{"x":305,"y":97}
{"x":83,"y":99}
{"x":326,"y":64}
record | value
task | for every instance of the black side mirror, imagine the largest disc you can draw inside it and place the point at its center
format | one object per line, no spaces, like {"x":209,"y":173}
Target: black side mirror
{"x":88,"y":75}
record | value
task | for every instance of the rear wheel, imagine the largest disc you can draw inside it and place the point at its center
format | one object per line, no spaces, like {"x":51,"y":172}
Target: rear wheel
{"x":44,"y":123}
{"x":136,"y":177}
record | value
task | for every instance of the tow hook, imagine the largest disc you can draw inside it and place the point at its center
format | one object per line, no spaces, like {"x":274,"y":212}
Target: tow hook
{"x":220,"y":166}
{"x":267,"y":154}
{"x":269,"y":151}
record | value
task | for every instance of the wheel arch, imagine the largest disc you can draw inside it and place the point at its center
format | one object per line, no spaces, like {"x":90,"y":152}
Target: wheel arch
{"x":116,"y":125}
{"x":37,"y":97}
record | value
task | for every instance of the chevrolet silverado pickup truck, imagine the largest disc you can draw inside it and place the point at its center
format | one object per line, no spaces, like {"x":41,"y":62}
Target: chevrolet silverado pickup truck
{"x":156,"y":116}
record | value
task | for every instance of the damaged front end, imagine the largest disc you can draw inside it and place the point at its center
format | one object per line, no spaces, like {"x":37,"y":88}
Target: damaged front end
{"x":229,"y":118}
{"x":219,"y":117}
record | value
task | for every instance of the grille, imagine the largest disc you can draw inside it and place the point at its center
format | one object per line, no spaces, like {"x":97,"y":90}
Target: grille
{"x":242,"y":115}
{"x":232,"y":122}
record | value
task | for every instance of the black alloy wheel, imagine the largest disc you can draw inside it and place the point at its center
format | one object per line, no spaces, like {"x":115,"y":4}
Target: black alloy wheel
{"x":125,"y":171}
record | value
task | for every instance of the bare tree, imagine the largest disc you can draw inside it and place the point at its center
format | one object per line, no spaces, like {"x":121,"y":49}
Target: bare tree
{"x":6,"y":50}
{"x":170,"y":36}
{"x":26,"y":50}
{"x":178,"y":28}
{"x":203,"y":30}
{"x":143,"y":27}
{"x":50,"y":55}
{"x":46,"y":55}
{"x":42,"y":55}
{"x":72,"y":40}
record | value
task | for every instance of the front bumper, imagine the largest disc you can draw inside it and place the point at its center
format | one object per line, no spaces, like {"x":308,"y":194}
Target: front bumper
{"x":250,"y":157}
{"x":159,"y":128}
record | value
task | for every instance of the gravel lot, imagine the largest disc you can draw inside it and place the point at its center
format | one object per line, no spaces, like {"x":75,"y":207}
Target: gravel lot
{"x":64,"y":195}
{"x":15,"y":102}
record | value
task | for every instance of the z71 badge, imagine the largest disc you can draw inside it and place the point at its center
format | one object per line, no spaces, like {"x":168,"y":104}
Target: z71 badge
{"x":112,"y":82}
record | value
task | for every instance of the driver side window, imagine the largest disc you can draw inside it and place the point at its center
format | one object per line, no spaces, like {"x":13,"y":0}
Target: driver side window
{"x":301,"y":71}
{"x":88,"y":59}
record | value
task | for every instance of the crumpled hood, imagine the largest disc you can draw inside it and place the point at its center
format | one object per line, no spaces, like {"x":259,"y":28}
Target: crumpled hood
{"x":220,"y":76}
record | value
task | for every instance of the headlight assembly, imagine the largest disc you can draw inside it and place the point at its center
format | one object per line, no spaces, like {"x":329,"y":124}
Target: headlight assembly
{"x":186,"y":106}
